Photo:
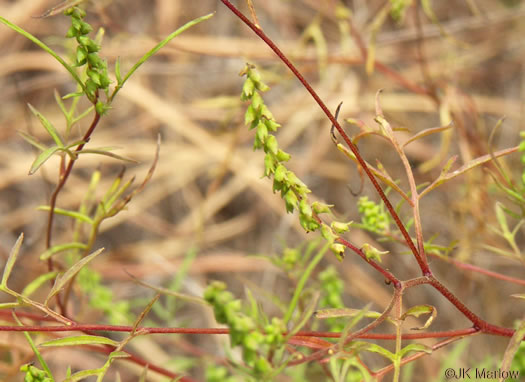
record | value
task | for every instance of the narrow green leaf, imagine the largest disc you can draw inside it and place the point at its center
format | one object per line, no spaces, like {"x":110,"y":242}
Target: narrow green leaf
{"x":143,"y":374}
{"x":42,"y":158}
{"x":169,"y":292}
{"x":426,"y":132}
{"x":71,"y":95}
{"x":144,"y":312}
{"x":60,"y":248}
{"x":374,"y":348}
{"x":512,"y":347}
{"x":414,"y":348}
{"x":64,"y":5}
{"x":117,"y":71}
{"x":79,"y":376}
{"x":62,"y":107}
{"x":305,"y":316}
{"x":10,"y":305}
{"x":11,"y":260}
{"x":445,"y":176}
{"x":73,"y":214}
{"x":80,"y":340}
{"x":31,"y":140}
{"x":36,"y":283}
{"x":119,"y":354}
{"x":156,"y":49}
{"x":83,"y":114}
{"x":29,"y":36}
{"x":48,"y":126}
{"x":61,"y":281}
{"x":109,"y":154}
{"x":344,"y":312}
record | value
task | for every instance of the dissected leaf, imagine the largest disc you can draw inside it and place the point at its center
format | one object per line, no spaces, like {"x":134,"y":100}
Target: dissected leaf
{"x":426,"y":132}
{"x":31,"y":140}
{"x":48,"y":126}
{"x":60,"y":248}
{"x":445,"y":176}
{"x":11,"y":260}
{"x":374,"y":348}
{"x":418,"y":310}
{"x":80,"y":340}
{"x":72,"y":214}
{"x":151,"y":170}
{"x":513,"y":347}
{"x":170,"y":292}
{"x":42,"y":158}
{"x":83,"y":374}
{"x":344,"y":312}
{"x":108,"y":154}
{"x":310,"y":342}
{"x":157,"y":47}
{"x":61,"y":281}
{"x":414,"y":348}
{"x":32,"y":38}
{"x":144,"y":312}
{"x":119,"y":354}
{"x":36,"y":283}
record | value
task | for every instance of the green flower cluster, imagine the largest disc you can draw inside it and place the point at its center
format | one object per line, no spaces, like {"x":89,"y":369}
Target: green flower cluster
{"x":34,"y":374}
{"x":293,"y":191}
{"x":373,"y":216}
{"x":256,"y":344}
{"x":87,"y":54}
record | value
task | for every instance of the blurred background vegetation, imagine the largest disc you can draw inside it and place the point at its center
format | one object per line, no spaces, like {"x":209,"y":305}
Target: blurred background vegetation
{"x":207,"y":197}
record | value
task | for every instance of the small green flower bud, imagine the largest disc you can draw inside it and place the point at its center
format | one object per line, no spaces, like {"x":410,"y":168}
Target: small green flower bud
{"x":81,"y":57}
{"x":283,"y":156}
{"x":280,"y":173}
{"x":271,"y":145}
{"x":327,"y":233}
{"x":340,"y":227}
{"x":291,"y":201}
{"x":339,"y":250}
{"x":321,"y":208}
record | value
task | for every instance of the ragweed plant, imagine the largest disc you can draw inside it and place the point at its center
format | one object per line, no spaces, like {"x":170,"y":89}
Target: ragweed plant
{"x":382,"y":219}
{"x":68,"y":261}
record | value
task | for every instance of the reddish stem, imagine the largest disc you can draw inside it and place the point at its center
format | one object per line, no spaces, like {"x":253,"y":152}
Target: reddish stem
{"x":422,"y":264}
{"x":208,"y":331}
